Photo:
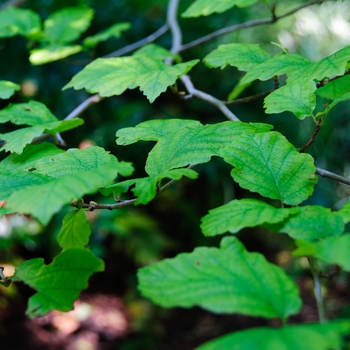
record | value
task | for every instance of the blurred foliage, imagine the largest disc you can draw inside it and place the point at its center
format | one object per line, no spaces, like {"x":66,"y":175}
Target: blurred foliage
{"x":136,"y":236}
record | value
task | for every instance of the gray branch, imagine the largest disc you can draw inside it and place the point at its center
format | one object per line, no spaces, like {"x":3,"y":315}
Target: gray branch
{"x":163,"y":29}
{"x":326,"y":173}
{"x":249,"y":24}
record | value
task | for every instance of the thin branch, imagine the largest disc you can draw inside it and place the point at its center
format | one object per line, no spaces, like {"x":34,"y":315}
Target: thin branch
{"x":128,"y":48}
{"x":248,"y":98}
{"x":326,"y":173}
{"x":84,"y":105}
{"x":206,"y":97}
{"x":317,"y":290}
{"x":174,"y":26}
{"x":313,"y":136}
{"x":249,"y":24}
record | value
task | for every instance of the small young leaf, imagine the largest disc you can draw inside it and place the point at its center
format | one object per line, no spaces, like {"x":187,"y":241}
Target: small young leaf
{"x":15,"y":21}
{"x":297,"y":97}
{"x":59,"y":283}
{"x":268,"y":164}
{"x":31,"y":113}
{"x":112,"y":76}
{"x":307,"y":336}
{"x":311,"y":222}
{"x":67,"y":24}
{"x":18,"y":139}
{"x":226,"y":279}
{"x":238,"y":214}
{"x":30,"y":156}
{"x":146,"y":188}
{"x":52,"y":53}
{"x":153,"y":130}
{"x":43,"y":201}
{"x":76,"y":160}
{"x":242,"y":56}
{"x":112,"y":32}
{"x":207,"y":7}
{"x":7,"y":89}
{"x":75,"y":230}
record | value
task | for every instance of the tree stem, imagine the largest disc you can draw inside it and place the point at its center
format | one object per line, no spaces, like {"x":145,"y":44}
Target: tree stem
{"x":317,"y":289}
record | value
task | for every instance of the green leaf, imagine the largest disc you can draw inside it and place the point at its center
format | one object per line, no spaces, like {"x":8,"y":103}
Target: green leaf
{"x":16,"y":180}
{"x":242,"y":56}
{"x":75,"y":230}
{"x":59,"y":283}
{"x":304,"y":248}
{"x":18,"y":139}
{"x":308,"y":336}
{"x":112,"y":76}
{"x":8,"y":88}
{"x":207,"y":7}
{"x":298,"y":98}
{"x":15,"y":21}
{"x":335,"y":89}
{"x":146,"y":188}
{"x":311,"y":222}
{"x":197,"y":145}
{"x":277,"y":65}
{"x":67,"y":24}
{"x":345,"y":212}
{"x":76,"y":160}
{"x":268,"y":164}
{"x":238,"y":214}
{"x":43,"y":201}
{"x":153,"y":130}
{"x":112,"y":32}
{"x":226,"y":279}
{"x":29,"y":157}
{"x":52,"y":53}
{"x":31,"y":113}
{"x":336,"y":101}
{"x":157,"y":52}
{"x":335,"y":250}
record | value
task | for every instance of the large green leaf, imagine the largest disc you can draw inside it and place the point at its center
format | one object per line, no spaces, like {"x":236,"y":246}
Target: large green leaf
{"x":297,"y":97}
{"x":112,"y":32}
{"x":277,"y":65}
{"x":8,"y":88}
{"x":345,"y":212}
{"x":76,"y":160}
{"x":238,"y":214}
{"x":242,"y":56}
{"x":16,"y":180}
{"x":67,"y":24}
{"x":226,"y":279}
{"x":75,"y":230}
{"x":30,"y":113}
{"x":196,"y":145}
{"x":311,"y":222}
{"x":43,"y":201}
{"x":268,"y":164}
{"x":15,"y":21}
{"x":207,"y":7}
{"x":308,"y":336}
{"x":29,"y":157}
{"x":52,"y":53}
{"x":18,"y":139}
{"x":112,"y":76}
{"x":59,"y":283}
{"x":146,"y":188}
